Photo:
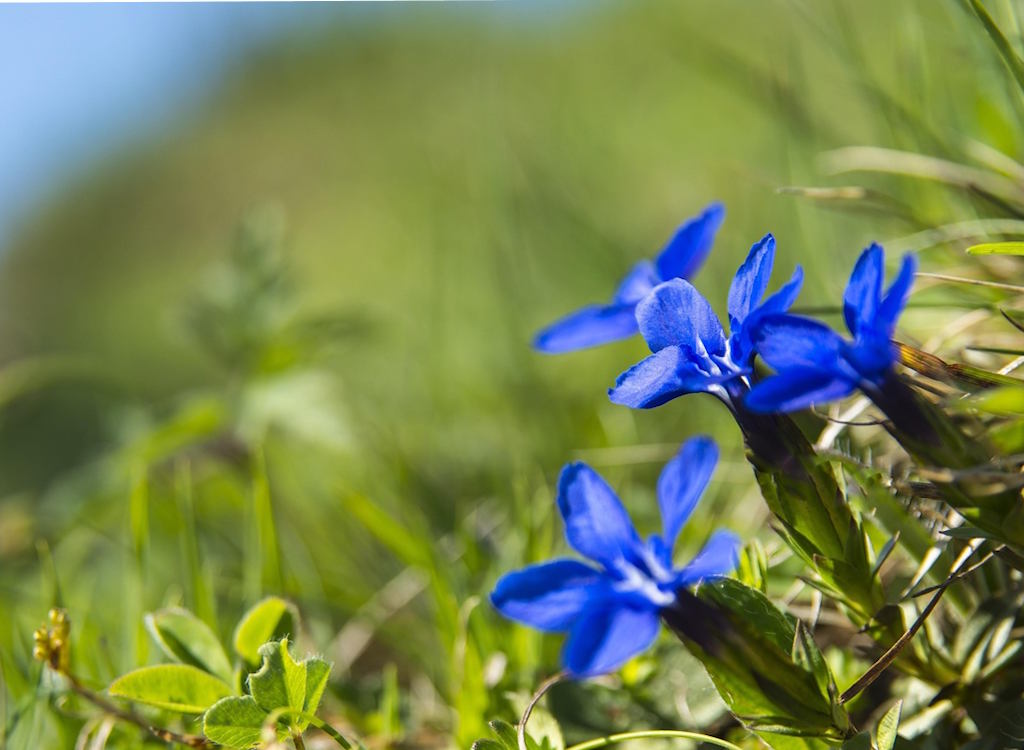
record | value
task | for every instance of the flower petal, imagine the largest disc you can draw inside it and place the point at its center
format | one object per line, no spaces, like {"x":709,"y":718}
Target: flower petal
{"x":676,"y":314}
{"x":593,"y":325}
{"x":718,"y":557}
{"x":896,"y":298}
{"x":786,"y":341}
{"x":741,"y":343}
{"x":783,"y":299}
{"x":596,"y":524}
{"x":751,"y":280}
{"x":681,"y":483}
{"x":607,"y":635}
{"x":639,"y":282}
{"x":549,"y":596}
{"x":864,"y":290}
{"x":660,"y":378}
{"x":797,"y":388}
{"x":690,"y":245}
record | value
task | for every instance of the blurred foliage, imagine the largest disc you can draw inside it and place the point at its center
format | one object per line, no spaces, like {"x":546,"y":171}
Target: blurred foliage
{"x":284,"y":348}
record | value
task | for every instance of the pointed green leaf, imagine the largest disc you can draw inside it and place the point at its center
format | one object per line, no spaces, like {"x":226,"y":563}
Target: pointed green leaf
{"x":806,"y":654}
{"x":886,"y":733}
{"x":235,"y":722}
{"x":175,"y":687}
{"x":487,"y":745}
{"x":187,"y":639}
{"x":505,"y":732}
{"x":997,"y":248}
{"x":270,"y":619}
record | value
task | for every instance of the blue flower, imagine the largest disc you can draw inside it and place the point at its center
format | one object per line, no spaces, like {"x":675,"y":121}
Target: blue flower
{"x":600,"y":324}
{"x":611,"y":609}
{"x":691,"y":351}
{"x":813,"y":363}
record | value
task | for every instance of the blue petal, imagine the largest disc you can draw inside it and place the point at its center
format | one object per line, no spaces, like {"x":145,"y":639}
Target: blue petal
{"x":639,"y":282}
{"x":797,"y":388}
{"x":549,"y":596}
{"x":784,"y":298}
{"x":717,"y":558}
{"x":660,"y":378}
{"x":689,"y":246}
{"x":864,"y":290}
{"x":606,"y":636}
{"x":681,"y":483}
{"x":742,"y":345}
{"x":786,"y":341}
{"x":896,"y":298}
{"x":593,"y":325}
{"x":596,"y":524}
{"x":751,"y":280}
{"x":676,"y":314}
{"x":871,"y":356}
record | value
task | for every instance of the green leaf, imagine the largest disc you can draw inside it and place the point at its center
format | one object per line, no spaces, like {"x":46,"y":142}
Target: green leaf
{"x":235,"y":722}
{"x":175,"y":687}
{"x":505,"y":732}
{"x":861,"y":741}
{"x":997,"y":248}
{"x":487,"y":745}
{"x":267,"y":620}
{"x":1007,"y":399}
{"x":283,"y":683}
{"x":185,"y":638}
{"x":1003,"y":45}
{"x":806,"y":654}
{"x":885,"y":734}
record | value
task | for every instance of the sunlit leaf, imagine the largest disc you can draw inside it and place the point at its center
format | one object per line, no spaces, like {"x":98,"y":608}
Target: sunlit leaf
{"x":997,"y":248}
{"x":267,"y":620}
{"x":185,"y":638}
{"x":175,"y":687}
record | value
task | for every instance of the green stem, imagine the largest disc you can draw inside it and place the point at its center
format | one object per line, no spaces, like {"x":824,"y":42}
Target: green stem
{"x":679,"y":734}
{"x":323,"y":726}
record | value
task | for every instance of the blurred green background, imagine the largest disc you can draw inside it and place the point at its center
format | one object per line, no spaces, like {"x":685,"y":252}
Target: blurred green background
{"x":283,"y":347}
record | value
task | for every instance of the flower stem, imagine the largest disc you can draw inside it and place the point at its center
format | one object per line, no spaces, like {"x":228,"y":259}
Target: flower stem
{"x":612,"y":739}
{"x":549,"y":683}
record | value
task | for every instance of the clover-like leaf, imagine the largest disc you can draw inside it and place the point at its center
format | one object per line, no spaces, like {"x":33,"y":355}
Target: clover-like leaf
{"x":283,"y":683}
{"x":236,"y":722}
{"x":187,"y":639}
{"x":175,"y":687}
{"x":268,"y":619}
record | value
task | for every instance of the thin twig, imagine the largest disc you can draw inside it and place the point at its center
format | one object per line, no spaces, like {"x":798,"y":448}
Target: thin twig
{"x":954,"y":577}
{"x":165,"y":735}
{"x":549,"y":683}
{"x":875,"y":670}
{"x":972,"y":282}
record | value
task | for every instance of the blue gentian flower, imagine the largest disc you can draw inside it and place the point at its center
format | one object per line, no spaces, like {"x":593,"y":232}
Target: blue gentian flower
{"x":600,"y":324}
{"x":813,"y":363}
{"x":691,"y":350}
{"x":611,"y":609}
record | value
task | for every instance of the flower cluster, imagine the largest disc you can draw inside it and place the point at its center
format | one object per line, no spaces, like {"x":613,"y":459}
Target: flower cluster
{"x":611,"y":609}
